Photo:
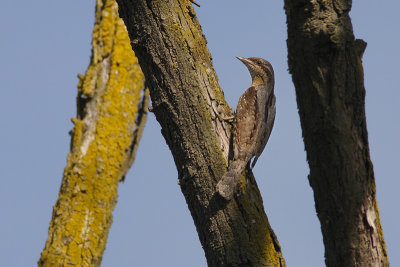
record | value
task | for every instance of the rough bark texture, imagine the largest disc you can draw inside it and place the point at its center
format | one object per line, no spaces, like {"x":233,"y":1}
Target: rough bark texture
{"x":187,"y":102}
{"x":104,"y":141}
{"x":325,"y":63}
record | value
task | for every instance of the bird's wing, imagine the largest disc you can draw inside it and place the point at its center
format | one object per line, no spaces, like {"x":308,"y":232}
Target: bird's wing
{"x":270,"y":112}
{"x":245,"y":126}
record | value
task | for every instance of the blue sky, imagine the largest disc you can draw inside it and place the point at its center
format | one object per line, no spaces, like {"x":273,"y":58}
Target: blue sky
{"x":46,"y":43}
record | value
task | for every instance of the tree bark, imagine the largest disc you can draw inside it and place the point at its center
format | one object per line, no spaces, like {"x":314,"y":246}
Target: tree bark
{"x":325,"y":63}
{"x":103,"y":145}
{"x":188,"y":103}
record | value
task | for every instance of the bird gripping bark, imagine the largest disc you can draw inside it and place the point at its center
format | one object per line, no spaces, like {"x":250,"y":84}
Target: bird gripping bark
{"x":252,"y":125}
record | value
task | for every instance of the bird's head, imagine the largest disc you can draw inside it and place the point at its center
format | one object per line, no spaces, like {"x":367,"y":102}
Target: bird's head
{"x":260,"y":70}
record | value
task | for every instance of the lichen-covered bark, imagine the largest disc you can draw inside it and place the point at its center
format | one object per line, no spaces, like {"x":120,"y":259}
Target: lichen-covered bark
{"x":188,"y":103}
{"x":325,"y":63}
{"x":103,"y":145}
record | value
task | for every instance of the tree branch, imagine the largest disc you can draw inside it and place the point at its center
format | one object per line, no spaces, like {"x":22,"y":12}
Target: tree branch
{"x":188,"y":103}
{"x":141,"y":119}
{"x":107,"y":104}
{"x":325,"y":63}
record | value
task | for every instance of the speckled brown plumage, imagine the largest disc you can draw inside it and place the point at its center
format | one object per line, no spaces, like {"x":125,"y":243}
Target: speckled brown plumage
{"x":254,"y":119}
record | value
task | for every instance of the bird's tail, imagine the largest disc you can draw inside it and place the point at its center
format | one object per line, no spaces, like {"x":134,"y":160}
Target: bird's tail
{"x":226,"y":186}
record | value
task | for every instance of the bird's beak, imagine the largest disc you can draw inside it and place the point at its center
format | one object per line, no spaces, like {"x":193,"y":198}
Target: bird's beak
{"x":245,"y":61}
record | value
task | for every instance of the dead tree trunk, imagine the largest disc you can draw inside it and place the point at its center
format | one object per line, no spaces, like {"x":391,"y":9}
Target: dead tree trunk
{"x":325,"y":63}
{"x":187,"y":102}
{"x":103,"y":145}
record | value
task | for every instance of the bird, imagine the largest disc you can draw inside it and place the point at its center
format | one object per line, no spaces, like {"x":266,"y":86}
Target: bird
{"x":252,"y":123}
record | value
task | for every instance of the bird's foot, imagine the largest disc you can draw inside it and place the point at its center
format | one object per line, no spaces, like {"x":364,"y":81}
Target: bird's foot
{"x":227,"y":118}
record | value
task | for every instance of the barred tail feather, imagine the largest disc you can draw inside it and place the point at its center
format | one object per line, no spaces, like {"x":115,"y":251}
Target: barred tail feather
{"x":227,"y":185}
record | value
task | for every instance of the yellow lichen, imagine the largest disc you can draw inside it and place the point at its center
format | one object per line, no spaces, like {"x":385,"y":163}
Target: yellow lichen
{"x":83,"y":212}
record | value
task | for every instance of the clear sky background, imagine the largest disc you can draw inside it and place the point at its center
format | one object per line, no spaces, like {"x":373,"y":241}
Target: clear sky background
{"x":45,"y":44}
